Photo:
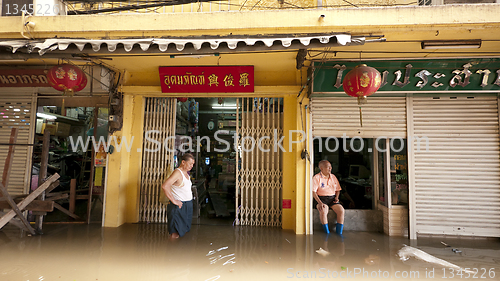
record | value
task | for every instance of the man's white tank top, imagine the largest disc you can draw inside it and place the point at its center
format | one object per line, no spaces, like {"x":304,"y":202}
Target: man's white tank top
{"x":183,"y":192}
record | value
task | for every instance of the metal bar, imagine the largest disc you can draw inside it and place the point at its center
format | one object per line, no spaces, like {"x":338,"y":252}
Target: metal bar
{"x":268,"y":166}
{"x":92,"y":168}
{"x":237,"y":168}
{"x":252,"y":169}
{"x":247,"y":165}
{"x":412,"y":221}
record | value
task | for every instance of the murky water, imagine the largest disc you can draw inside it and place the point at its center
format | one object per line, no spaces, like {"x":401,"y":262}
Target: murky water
{"x":76,"y":252}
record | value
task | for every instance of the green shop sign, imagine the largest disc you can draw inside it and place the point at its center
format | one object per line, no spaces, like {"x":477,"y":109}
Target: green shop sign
{"x":460,"y":75}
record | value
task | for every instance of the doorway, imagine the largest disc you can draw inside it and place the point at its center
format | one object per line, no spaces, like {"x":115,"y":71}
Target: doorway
{"x":234,"y":182}
{"x":77,"y":152}
{"x":373,"y":174}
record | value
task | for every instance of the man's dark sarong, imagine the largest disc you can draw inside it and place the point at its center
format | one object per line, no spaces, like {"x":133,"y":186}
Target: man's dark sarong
{"x":179,"y":219}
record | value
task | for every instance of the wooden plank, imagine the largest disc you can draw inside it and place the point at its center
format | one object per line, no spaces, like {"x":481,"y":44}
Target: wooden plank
{"x":5,"y":182}
{"x":55,"y":197}
{"x":10,"y":156}
{"x":62,"y":209}
{"x":7,"y":217}
{"x":72,"y":196}
{"x":56,"y":184}
{"x":35,"y":205}
{"x":15,"y":210}
{"x":44,"y":162}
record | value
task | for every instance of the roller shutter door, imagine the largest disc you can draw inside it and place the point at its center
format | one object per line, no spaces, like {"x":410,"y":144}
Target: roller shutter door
{"x":382,"y":116}
{"x":457,"y":180}
{"x":17,"y":110}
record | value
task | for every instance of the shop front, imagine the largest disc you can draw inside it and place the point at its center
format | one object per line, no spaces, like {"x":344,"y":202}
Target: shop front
{"x":245,"y":172}
{"x":30,"y":106}
{"x":424,"y":149}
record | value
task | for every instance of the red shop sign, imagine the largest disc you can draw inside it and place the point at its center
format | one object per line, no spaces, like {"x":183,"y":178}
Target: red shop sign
{"x":207,"y":79}
{"x":23,"y":78}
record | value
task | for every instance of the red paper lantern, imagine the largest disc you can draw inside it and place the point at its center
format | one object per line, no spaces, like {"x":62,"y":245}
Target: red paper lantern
{"x":361,"y":82}
{"x":67,"y":78}
{"x":182,"y":99}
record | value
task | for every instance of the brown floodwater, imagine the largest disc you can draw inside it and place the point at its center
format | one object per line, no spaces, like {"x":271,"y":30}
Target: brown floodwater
{"x":78,"y":252}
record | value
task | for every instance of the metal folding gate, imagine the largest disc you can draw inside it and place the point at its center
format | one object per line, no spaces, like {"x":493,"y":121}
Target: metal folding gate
{"x":18,"y":110}
{"x":259,"y":167}
{"x":157,"y":160}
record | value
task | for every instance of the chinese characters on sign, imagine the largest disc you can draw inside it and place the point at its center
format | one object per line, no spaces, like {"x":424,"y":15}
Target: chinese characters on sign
{"x":207,"y":79}
{"x":416,"y":76}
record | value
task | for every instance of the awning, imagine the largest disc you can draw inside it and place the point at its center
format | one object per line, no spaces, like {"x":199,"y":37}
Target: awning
{"x":181,"y":45}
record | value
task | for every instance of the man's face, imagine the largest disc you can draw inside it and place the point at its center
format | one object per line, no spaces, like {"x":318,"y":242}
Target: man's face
{"x":188,"y":164}
{"x":326,"y":169}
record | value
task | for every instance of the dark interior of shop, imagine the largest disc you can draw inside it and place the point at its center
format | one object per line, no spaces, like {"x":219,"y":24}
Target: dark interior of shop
{"x":352,"y":163}
{"x":69,"y":126}
{"x":211,"y":121}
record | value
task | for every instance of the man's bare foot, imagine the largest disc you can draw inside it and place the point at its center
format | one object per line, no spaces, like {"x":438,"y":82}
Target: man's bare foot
{"x":174,"y":235}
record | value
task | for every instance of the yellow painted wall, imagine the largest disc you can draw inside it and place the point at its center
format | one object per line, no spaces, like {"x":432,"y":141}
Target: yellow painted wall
{"x":124,"y":167}
{"x":294,"y":168}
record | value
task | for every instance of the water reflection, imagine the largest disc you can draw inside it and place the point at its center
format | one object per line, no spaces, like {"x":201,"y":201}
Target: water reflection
{"x":143,"y":252}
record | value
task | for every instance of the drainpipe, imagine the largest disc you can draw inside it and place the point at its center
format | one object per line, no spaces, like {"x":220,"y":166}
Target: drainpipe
{"x":306,"y":191}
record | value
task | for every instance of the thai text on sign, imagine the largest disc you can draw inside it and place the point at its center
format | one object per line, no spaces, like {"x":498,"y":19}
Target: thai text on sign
{"x":207,"y":79}
{"x":417,"y":76}
{"x":23,"y":78}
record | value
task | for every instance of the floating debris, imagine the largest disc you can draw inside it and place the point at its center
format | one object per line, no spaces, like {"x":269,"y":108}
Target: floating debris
{"x":322,"y":252}
{"x":372,"y":260}
{"x":407,"y":251}
{"x":446,"y":245}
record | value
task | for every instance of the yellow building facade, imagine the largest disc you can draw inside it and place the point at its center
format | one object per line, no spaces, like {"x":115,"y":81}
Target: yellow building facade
{"x":387,"y":33}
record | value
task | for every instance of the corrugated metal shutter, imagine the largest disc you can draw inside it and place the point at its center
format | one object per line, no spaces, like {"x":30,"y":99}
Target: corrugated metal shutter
{"x":382,"y":116}
{"x":17,"y":110}
{"x":457,"y":181}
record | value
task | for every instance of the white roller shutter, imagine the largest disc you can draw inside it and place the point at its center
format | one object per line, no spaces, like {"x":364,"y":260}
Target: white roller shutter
{"x":17,"y":110}
{"x":457,"y":181}
{"x":382,"y":116}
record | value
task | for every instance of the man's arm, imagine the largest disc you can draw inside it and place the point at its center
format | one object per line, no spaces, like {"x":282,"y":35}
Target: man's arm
{"x":167,"y":187}
{"x":337,"y":191}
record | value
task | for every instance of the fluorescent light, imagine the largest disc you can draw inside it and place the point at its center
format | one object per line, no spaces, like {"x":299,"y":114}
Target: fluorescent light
{"x":224,"y":107}
{"x":46,"y":116}
{"x":451,"y":44}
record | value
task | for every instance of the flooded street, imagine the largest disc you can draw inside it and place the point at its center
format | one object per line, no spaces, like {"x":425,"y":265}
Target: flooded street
{"x":78,"y":252}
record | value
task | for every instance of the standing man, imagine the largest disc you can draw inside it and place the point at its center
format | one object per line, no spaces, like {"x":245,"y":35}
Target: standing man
{"x":177,"y":188}
{"x":326,"y":191}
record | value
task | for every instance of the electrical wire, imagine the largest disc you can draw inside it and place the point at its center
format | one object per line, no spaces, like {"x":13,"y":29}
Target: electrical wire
{"x":140,"y":5}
